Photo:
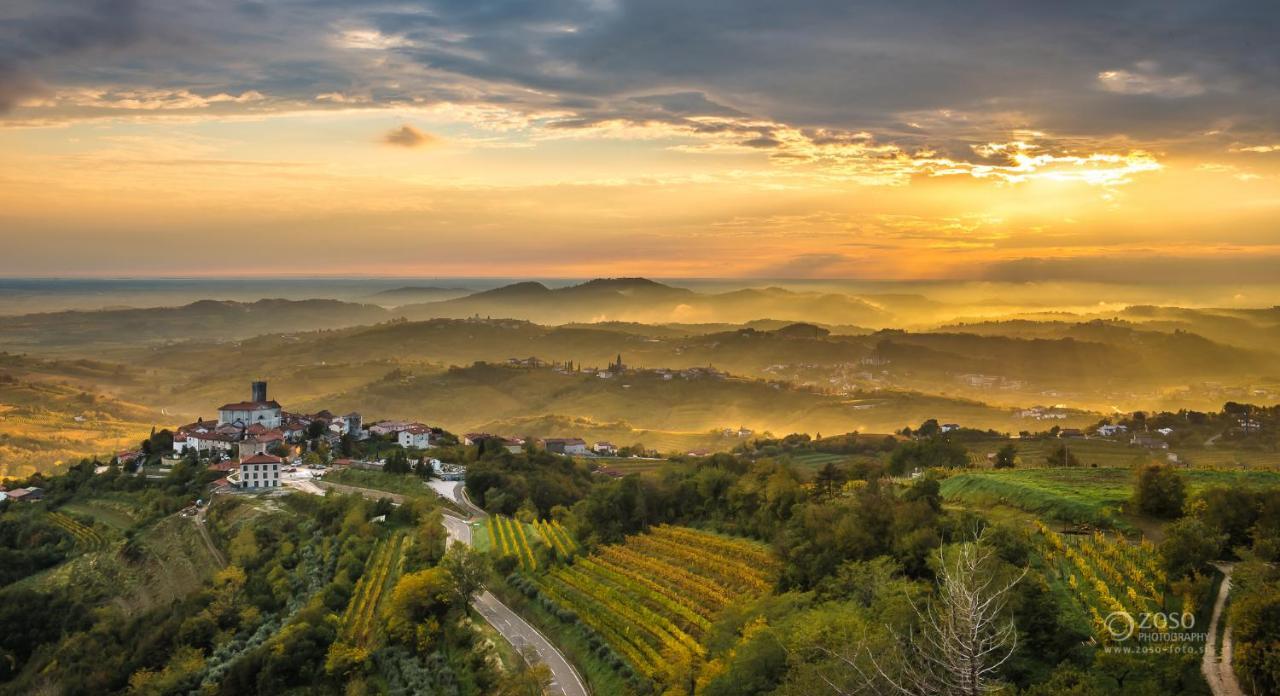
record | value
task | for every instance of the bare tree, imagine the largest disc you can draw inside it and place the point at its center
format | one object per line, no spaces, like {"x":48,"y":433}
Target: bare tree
{"x":963,"y":637}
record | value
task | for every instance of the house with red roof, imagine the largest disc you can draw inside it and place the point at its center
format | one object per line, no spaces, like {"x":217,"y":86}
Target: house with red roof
{"x":260,"y":471}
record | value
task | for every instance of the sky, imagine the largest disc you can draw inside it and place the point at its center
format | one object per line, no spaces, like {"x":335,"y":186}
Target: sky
{"x":912,"y":139}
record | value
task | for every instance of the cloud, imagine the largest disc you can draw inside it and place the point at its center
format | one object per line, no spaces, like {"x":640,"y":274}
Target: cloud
{"x":869,"y":92}
{"x":1140,"y":267}
{"x":815,"y":265}
{"x":54,"y":32}
{"x":408,"y":136}
{"x":1145,"y":79}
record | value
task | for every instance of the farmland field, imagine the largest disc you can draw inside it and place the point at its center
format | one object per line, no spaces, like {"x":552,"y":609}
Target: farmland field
{"x":556,"y":537}
{"x":506,"y":536}
{"x":117,"y":514}
{"x":1077,"y":494}
{"x":381,"y":570}
{"x":655,"y":597}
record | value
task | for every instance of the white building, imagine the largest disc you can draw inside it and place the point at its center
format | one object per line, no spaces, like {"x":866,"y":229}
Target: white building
{"x":212,"y":441}
{"x":417,"y":436}
{"x":260,"y":471}
{"x":566,"y":445}
{"x":246,"y":413}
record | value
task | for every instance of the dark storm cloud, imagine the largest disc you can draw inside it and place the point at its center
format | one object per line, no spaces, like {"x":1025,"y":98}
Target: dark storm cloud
{"x":936,"y":74}
{"x":58,"y":30}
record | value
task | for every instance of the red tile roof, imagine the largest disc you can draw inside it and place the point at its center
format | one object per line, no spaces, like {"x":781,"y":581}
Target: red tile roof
{"x":249,"y":406}
{"x":262,"y":459}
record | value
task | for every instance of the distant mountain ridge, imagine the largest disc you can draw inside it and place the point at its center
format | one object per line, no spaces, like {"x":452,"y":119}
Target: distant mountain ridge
{"x":648,"y":301}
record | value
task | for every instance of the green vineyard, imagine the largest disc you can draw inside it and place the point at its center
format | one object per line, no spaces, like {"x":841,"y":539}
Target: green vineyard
{"x":86,"y":538}
{"x":381,"y":571}
{"x":556,"y":537}
{"x":1108,"y":574}
{"x":654,"y":598}
{"x":509,"y":538}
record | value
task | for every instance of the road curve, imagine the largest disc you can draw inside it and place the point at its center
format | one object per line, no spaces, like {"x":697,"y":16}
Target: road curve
{"x":564,"y":678}
{"x":518,"y":632}
{"x":1216,"y":664}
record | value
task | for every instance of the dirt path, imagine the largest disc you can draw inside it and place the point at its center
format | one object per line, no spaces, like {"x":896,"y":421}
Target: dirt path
{"x":208,"y":540}
{"x":1217,"y":663}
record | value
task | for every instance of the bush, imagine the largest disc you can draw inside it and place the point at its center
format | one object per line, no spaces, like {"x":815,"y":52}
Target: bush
{"x":1159,"y":491}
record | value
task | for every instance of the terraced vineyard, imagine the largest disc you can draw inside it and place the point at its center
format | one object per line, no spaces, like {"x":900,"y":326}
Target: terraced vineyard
{"x":655,"y":597}
{"x":381,"y":571}
{"x":86,"y":538}
{"x":1108,"y":574}
{"x":509,"y":538}
{"x":557,"y":537}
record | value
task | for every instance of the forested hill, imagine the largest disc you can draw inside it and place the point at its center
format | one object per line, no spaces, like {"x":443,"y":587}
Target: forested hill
{"x":204,"y":320}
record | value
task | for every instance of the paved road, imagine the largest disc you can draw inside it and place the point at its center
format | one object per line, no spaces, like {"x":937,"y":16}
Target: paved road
{"x":1217,"y":664}
{"x":564,"y":678}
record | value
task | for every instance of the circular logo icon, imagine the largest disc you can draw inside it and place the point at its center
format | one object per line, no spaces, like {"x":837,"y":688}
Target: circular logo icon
{"x":1120,"y":625}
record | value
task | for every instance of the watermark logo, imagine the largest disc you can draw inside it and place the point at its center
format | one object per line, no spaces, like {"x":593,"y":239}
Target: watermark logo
{"x":1153,"y":632}
{"x":1121,"y":625}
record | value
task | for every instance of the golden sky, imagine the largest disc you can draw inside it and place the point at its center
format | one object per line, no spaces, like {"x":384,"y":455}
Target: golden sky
{"x":580,"y":139}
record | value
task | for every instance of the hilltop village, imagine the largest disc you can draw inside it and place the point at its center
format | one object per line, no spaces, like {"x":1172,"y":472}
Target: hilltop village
{"x":257,"y":443}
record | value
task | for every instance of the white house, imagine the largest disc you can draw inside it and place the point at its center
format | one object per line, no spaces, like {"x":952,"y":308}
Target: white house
{"x":604,"y":449}
{"x":211,"y":441}
{"x":566,"y":445}
{"x":259,"y":410}
{"x":416,"y":436}
{"x":389,"y":427}
{"x":1109,"y":430}
{"x":260,"y":471}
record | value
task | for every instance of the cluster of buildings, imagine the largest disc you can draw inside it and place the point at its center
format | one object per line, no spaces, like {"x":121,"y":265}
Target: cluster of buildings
{"x":571,"y":446}
{"x":26,"y":495}
{"x":256,"y":426}
{"x":617,"y":368}
{"x":253,"y":430}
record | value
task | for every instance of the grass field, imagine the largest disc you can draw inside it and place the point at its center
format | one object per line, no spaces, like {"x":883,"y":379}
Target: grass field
{"x":402,"y":484}
{"x":1110,"y":453}
{"x":116,"y":514}
{"x":626,"y":465}
{"x":1213,"y":457}
{"x":173,"y":560}
{"x":1034,"y":453}
{"x":1078,"y":494}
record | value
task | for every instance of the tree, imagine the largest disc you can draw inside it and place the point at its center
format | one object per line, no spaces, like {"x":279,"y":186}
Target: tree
{"x":1062,"y":456}
{"x":417,"y":606}
{"x":397,"y":462}
{"x":1158,"y":490}
{"x":430,"y":540}
{"x":1006,"y":456}
{"x":467,"y":568}
{"x":529,"y":678}
{"x":927,"y":453}
{"x":829,"y":479}
{"x":965,"y":636}
{"x":1188,"y":547}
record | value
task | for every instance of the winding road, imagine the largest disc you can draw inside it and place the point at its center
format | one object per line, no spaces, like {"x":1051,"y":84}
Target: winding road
{"x":565,"y":680}
{"x":1217,"y":663}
